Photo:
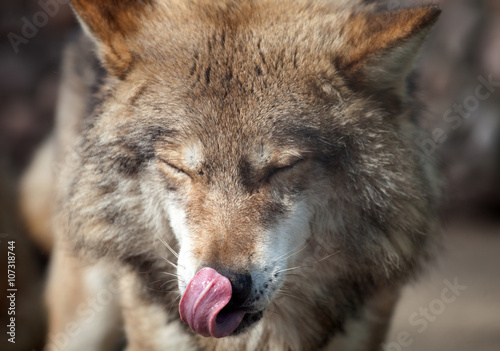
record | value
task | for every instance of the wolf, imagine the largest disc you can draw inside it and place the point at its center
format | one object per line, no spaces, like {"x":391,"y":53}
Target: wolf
{"x":237,"y":175}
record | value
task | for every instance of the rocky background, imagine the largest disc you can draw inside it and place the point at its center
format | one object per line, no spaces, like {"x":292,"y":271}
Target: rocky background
{"x":463,"y":53}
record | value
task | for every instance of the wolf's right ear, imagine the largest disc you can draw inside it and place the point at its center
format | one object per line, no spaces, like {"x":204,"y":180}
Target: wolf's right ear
{"x":112,"y":23}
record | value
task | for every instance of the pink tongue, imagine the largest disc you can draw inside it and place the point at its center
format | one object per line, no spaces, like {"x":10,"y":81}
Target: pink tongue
{"x":206,"y":295}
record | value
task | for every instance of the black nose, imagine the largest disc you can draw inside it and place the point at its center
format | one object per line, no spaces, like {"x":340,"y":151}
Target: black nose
{"x":242,"y":287}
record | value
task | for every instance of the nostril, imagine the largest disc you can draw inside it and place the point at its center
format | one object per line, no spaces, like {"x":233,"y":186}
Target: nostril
{"x":241,"y":285}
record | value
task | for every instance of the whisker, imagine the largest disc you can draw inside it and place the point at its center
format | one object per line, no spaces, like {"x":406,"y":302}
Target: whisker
{"x":167,"y":246}
{"x":295,"y":297}
{"x":286,"y":253}
{"x":312,"y":298}
{"x":308,"y":297}
{"x":173,"y":303}
{"x":293,"y":254}
{"x":291,"y":251}
{"x":160,"y":291}
{"x":169,"y":291}
{"x":300,"y":276}
{"x":167,"y":282}
{"x":291,"y":269}
{"x":156,"y":281}
{"x":324,"y":258}
{"x":173,"y":264}
{"x":303,"y":266}
{"x":172,"y":274}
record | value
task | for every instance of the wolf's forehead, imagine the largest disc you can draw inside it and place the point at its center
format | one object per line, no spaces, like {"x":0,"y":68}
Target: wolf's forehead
{"x":250,"y":59}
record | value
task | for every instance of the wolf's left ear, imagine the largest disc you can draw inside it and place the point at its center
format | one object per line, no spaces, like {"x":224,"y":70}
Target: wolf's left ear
{"x":382,"y":47}
{"x":112,"y":23}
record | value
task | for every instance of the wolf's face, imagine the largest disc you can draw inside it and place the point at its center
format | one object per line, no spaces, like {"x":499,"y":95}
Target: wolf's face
{"x":242,"y":175}
{"x":240,"y":192}
{"x":252,"y":132}
{"x":244,"y":214}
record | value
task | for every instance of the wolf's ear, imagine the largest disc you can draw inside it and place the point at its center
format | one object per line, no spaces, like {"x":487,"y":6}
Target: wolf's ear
{"x":382,"y":47}
{"x":112,"y":23}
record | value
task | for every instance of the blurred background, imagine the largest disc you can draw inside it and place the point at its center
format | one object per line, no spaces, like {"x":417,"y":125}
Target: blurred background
{"x":456,"y":306}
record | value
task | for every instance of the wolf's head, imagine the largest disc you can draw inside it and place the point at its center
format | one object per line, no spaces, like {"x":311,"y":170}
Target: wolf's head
{"x":268,"y":137}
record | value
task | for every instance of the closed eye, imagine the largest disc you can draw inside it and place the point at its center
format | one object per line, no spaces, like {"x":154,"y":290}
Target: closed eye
{"x":175,"y":168}
{"x":278,"y":170}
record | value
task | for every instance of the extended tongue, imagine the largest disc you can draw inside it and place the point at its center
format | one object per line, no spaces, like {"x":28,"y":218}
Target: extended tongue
{"x":200,"y":307}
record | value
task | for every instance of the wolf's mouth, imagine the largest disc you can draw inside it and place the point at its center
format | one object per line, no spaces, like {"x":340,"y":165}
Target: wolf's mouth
{"x":202,"y":305}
